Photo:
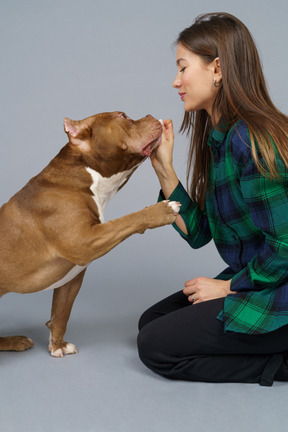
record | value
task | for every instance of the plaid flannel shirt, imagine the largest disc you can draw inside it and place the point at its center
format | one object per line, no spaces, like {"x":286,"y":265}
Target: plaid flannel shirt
{"x":246,"y":215}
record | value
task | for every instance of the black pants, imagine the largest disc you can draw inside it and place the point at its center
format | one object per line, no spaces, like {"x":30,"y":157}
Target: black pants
{"x":182,"y":341}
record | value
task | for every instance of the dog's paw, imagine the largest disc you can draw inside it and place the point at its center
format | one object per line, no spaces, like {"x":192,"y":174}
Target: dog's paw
{"x":162,"y":213}
{"x":65,"y":349}
{"x":15,"y":343}
{"x":175,"y":206}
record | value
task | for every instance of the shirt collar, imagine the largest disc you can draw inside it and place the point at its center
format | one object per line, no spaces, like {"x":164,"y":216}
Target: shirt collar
{"x":217,"y":136}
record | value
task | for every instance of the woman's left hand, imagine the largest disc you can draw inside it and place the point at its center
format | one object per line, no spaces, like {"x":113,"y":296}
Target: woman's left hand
{"x":202,"y":289}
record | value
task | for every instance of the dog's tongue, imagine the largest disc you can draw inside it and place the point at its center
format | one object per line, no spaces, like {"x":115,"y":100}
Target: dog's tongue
{"x":147,"y":151}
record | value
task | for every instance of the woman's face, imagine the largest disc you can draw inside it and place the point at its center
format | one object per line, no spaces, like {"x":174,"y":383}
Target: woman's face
{"x":194,"y":80}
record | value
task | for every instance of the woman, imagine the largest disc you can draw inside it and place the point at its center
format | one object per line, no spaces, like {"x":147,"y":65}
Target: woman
{"x":233,"y":328}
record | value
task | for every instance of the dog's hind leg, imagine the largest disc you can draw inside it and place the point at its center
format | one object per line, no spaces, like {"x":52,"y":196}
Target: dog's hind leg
{"x":63,"y":299}
{"x":15,"y":343}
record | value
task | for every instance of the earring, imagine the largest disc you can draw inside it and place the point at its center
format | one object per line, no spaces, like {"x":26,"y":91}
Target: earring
{"x":214,"y":83}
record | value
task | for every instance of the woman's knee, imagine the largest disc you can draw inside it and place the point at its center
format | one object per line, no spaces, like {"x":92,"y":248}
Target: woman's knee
{"x":144,"y":342}
{"x":164,"y":307}
{"x":149,"y":347}
{"x":144,"y":319}
{"x":149,"y":315}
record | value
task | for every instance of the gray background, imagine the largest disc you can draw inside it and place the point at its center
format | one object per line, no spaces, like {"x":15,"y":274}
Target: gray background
{"x":76,"y":58}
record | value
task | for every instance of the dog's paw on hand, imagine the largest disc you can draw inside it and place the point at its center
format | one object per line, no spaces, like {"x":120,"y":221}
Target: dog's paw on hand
{"x":175,"y":206}
{"x":162,"y":213}
{"x":65,"y":349}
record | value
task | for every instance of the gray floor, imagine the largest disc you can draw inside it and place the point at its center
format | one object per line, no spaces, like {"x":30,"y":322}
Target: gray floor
{"x":105,"y":387}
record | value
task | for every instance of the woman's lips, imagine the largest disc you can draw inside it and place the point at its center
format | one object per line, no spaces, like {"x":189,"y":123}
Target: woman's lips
{"x":182,"y":95}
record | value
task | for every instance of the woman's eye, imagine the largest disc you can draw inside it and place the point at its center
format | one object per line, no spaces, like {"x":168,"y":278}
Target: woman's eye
{"x":182,"y":70}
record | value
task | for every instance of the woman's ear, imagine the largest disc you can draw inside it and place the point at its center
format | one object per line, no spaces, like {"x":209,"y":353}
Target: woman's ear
{"x":217,"y":69}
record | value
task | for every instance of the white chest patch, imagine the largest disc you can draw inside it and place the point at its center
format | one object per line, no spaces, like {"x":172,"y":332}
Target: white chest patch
{"x":104,"y":188}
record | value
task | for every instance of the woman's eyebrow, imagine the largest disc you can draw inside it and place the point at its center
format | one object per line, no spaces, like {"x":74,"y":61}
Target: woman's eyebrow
{"x":179,"y":60}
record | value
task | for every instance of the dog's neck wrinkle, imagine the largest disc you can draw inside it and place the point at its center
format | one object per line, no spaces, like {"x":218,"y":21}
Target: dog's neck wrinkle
{"x":104,"y":188}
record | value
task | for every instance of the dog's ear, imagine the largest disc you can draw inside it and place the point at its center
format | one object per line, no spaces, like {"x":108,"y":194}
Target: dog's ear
{"x":70,"y":127}
{"x":77,"y":132}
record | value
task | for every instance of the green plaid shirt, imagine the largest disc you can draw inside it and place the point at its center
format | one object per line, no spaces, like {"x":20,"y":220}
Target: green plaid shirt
{"x":246,"y":215}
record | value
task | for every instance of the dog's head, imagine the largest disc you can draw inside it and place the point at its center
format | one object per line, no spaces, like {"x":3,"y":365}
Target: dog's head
{"x":112,"y":142}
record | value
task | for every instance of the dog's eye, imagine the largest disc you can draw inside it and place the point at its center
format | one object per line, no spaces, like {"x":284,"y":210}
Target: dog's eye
{"x":123,"y":115}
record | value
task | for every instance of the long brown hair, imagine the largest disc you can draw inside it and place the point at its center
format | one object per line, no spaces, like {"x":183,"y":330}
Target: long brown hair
{"x":242,"y":95}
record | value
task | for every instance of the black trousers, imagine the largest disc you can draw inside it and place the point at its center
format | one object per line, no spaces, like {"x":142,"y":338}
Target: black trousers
{"x":182,"y":341}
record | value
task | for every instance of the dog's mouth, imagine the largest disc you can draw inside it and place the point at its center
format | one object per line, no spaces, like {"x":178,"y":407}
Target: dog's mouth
{"x":152,"y":146}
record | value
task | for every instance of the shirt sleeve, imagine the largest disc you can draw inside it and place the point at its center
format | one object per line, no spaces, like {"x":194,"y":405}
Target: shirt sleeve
{"x":196,"y":222}
{"x":267,"y":200}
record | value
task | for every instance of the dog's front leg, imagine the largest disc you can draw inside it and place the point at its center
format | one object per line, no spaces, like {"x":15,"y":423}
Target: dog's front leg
{"x":63,"y":299}
{"x":99,"y":239}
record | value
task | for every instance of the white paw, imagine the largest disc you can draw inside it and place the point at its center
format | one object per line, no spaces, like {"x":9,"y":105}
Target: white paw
{"x":70,"y":349}
{"x":175,"y":206}
{"x":57,"y":353}
{"x":60,"y":352}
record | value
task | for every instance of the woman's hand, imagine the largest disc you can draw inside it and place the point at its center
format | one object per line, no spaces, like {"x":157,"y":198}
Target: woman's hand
{"x":162,"y":162}
{"x":202,"y":289}
{"x":162,"y":158}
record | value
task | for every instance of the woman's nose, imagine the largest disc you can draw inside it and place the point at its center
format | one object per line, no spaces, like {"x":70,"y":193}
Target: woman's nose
{"x":177,"y":82}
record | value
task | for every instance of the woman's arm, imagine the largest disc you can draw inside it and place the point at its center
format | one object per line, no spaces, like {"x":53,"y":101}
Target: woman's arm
{"x":162,"y":162}
{"x":191,"y":223}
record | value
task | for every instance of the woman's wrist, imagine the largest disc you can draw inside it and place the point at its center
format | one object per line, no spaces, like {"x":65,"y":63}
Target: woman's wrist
{"x":168,"y":182}
{"x":165,"y":173}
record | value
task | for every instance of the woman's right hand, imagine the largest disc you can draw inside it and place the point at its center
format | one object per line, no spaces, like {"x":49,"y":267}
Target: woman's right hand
{"x":162,"y":158}
{"x":162,"y":162}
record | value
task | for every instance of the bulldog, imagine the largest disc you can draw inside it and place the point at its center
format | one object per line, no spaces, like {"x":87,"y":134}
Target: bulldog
{"x":54,"y":226}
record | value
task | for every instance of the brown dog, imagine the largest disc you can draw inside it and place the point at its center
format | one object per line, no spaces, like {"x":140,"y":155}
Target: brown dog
{"x":53,"y":228}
